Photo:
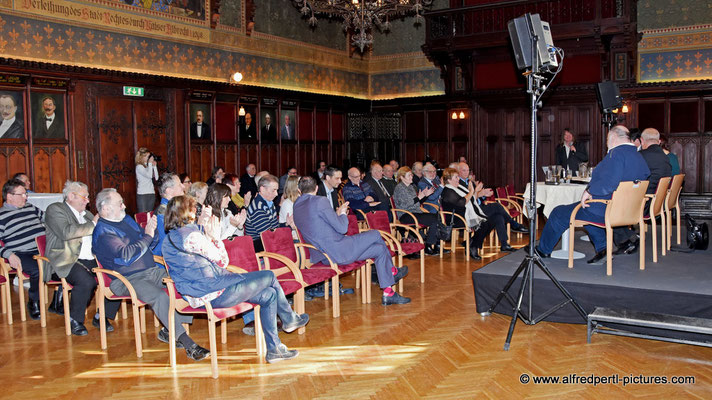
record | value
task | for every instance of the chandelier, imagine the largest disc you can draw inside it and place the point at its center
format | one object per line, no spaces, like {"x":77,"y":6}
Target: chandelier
{"x":361,"y":15}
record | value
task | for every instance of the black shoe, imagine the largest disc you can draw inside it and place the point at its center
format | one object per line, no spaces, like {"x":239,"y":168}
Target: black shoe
{"x":163,"y":336}
{"x":196,"y":353}
{"x":33,"y":309}
{"x":402,"y":273}
{"x":280,"y":353}
{"x":621,"y":248}
{"x":598,"y":258}
{"x":474,"y":254}
{"x":395,"y":299}
{"x":95,"y":322}
{"x":632,"y":248}
{"x":57,"y":306}
{"x":519,"y":229}
{"x":412,"y":256}
{"x":507,"y":247}
{"x":77,"y":328}
{"x":431,"y":250}
{"x":301,"y":321}
{"x":538,"y":252}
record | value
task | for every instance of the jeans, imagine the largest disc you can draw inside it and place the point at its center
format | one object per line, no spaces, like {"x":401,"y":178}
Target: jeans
{"x":261,"y":288}
{"x":558,"y":223}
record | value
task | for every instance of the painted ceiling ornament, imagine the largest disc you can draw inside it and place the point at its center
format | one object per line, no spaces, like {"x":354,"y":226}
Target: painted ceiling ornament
{"x":361,"y":15}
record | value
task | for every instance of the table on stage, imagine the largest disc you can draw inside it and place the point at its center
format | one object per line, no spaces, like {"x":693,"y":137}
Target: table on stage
{"x":43,"y":200}
{"x":551,"y":196}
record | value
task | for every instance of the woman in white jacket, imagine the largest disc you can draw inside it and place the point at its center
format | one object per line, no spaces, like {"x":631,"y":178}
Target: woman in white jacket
{"x":146,"y":171}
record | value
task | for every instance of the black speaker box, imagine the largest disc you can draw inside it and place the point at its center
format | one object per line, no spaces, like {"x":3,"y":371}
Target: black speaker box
{"x":609,"y":96}
{"x":520,"y":33}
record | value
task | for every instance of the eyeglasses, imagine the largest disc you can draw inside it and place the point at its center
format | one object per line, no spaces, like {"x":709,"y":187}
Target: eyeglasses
{"x":20,"y":194}
{"x":82,"y":196}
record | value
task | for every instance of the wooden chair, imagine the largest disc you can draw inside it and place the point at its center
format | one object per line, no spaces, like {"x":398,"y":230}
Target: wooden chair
{"x":44,"y":292}
{"x":425,"y":210}
{"x":656,"y":209}
{"x":625,"y":208}
{"x":673,"y":202}
{"x":378,"y":220}
{"x":280,"y":242}
{"x":177,"y":303}
{"x":142,"y":218}
{"x":445,"y":217}
{"x":5,"y":290}
{"x":21,"y":277}
{"x":241,"y":252}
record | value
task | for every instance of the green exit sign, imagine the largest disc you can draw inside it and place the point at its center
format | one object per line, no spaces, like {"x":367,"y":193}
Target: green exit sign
{"x":133,"y":91}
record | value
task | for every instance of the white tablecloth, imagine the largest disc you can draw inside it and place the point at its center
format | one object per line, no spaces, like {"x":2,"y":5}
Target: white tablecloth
{"x":42,"y":200}
{"x":551,"y":196}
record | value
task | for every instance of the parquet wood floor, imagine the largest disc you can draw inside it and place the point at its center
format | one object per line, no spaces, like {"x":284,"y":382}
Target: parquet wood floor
{"x":437,"y":347}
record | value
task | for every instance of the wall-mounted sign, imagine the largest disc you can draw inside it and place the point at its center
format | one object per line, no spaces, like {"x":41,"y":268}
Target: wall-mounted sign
{"x":133,"y":91}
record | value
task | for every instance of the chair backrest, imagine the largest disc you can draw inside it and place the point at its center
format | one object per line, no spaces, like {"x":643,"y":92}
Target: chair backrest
{"x":301,"y":240}
{"x":142,"y":218}
{"x":353,"y":225}
{"x":510,"y":190}
{"x":279,"y":241}
{"x":41,"y":244}
{"x":241,"y":253}
{"x":501,"y":193}
{"x":675,"y":189}
{"x":660,"y":195}
{"x":106,"y":278}
{"x":626,"y":204}
{"x":378,"y":220}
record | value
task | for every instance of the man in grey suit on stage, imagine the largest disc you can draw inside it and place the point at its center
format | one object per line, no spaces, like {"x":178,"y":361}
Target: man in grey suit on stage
{"x":326,"y":230}
{"x":69,"y":233}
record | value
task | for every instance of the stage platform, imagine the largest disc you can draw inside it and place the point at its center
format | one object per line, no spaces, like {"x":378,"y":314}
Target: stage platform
{"x":678,"y":284}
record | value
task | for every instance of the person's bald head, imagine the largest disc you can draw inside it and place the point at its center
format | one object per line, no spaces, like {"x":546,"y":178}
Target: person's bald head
{"x":649,"y":137}
{"x":354,"y":175}
{"x":463,"y":170}
{"x":618,"y":135}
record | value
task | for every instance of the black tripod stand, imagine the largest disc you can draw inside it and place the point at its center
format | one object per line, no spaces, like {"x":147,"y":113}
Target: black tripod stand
{"x":534,"y":88}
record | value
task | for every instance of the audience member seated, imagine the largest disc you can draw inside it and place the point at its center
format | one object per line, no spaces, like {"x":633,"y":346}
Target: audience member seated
{"x":22,"y":177}
{"x":360,"y":195}
{"x":417,"y":171}
{"x":217,"y":176}
{"x":20,"y":224}
{"x":431,"y":180}
{"x":185,"y":180}
{"x":329,"y":187}
{"x":319,"y":173}
{"x":375,"y":182}
{"x":122,"y":246}
{"x":325,"y":229}
{"x":69,"y":233}
{"x":622,"y":163}
{"x":673,"y":158}
{"x":286,"y":209}
{"x":408,"y":198}
{"x":291,"y":171}
{"x":169,"y":187}
{"x":394,"y":164}
{"x":659,"y":165}
{"x":198,"y":268}
{"x":247,"y":181}
{"x":238,"y":202}
{"x":199,"y":190}
{"x":388,"y":179}
{"x":262,"y":213}
{"x":463,"y":203}
{"x":492,"y":210}
{"x":222,"y":224}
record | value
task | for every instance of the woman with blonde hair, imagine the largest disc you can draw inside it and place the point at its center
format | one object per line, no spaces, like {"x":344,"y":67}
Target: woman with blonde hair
{"x":286,"y":209}
{"x":146,"y":172}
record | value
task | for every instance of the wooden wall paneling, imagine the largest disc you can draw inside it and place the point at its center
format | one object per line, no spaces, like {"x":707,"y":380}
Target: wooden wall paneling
{"x":269,"y":158}
{"x":689,"y":163}
{"x":49,"y":168}
{"x":321,"y":153}
{"x":684,"y":116}
{"x":178,"y":115}
{"x":116,"y":148}
{"x":306,"y":157}
{"x":306,"y":131}
{"x":706,"y":162}
{"x":337,"y":126}
{"x":226,"y":157}
{"x":414,"y":152}
{"x":13,"y":159}
{"x":152,"y":131}
{"x":337,"y":154}
{"x":439,"y":152}
{"x":225,"y":122}
{"x":59,"y":172}
{"x":248,"y":155}
{"x":322,"y":125}
{"x":288,"y":155}
{"x":201,"y":161}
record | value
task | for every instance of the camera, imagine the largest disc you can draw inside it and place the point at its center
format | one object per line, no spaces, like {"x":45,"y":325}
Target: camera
{"x":155,"y":156}
{"x":198,"y":209}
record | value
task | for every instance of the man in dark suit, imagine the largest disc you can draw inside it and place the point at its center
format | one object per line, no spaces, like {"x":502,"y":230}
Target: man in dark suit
{"x":328,"y":187}
{"x":659,"y":164}
{"x":199,"y":129}
{"x":622,"y":163}
{"x":319,"y":173}
{"x":247,"y":130}
{"x":247,"y":181}
{"x":48,"y":124}
{"x":287,"y":130}
{"x":569,"y":153}
{"x":11,"y":127}
{"x":69,"y":233}
{"x":326,"y":230}
{"x":376,"y":183}
{"x":269,"y":132}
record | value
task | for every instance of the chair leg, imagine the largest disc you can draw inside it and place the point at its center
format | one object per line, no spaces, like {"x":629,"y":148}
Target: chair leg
{"x":65,"y":303}
{"x":358,"y":278}
{"x":642,"y":244}
{"x":223,"y":331}
{"x":663,"y":234}
{"x":172,"y":335}
{"x":187,"y":328}
{"x":368,"y":285}
{"x":442,"y":246}
{"x":326,"y":290}
{"x":335,"y":298}
{"x":142,"y":314}
{"x":609,"y":251}
{"x":8,"y":302}
{"x":669,"y":228}
{"x":21,"y":294}
{"x":102,"y":319}
{"x":467,"y":246}
{"x":453,"y":245}
{"x":137,"y":329}
{"x":213,"y":347}
{"x":299,"y":306}
{"x":124,"y":310}
{"x":43,"y":302}
{"x":422,"y":266}
{"x":572,"y":229}
{"x":400,"y":264}
{"x":259,"y":335}
{"x":655,"y":238}
{"x":677,"y":219}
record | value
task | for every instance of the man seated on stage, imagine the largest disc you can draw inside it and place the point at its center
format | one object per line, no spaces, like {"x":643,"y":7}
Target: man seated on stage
{"x":360,"y":195}
{"x":329,"y":186}
{"x":326,"y":230}
{"x":20,"y":224}
{"x":170,"y":187}
{"x":430,"y":179}
{"x":659,"y":164}
{"x":69,"y":233}
{"x":262,"y":213}
{"x":121,"y":245}
{"x":622,"y":163}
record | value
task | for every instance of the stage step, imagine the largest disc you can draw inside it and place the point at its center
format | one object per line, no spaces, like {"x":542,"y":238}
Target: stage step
{"x":648,"y":320}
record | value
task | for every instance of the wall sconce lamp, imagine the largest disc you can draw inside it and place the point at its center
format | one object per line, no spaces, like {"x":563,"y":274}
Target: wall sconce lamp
{"x":456,"y":116}
{"x":241,"y":112}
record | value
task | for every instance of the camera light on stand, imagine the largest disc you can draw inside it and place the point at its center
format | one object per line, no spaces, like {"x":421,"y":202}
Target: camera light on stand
{"x":241,"y":112}
{"x":237,"y":77}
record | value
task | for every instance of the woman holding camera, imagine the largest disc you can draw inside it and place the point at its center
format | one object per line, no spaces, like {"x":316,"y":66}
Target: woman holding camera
{"x":146,"y":172}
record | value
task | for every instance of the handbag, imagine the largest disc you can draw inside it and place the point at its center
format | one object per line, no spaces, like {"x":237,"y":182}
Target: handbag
{"x":445,"y":231}
{"x":697,"y":234}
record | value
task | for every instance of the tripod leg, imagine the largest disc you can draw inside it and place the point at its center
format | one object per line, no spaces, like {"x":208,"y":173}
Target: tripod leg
{"x":504,"y":291}
{"x":515,"y":312}
{"x":563,"y":290}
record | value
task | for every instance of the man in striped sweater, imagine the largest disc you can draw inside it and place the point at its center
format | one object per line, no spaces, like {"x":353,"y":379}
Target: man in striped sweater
{"x":20,"y":224}
{"x":262,"y":213}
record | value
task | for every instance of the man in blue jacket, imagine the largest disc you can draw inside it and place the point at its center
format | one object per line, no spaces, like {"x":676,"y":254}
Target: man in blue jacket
{"x":169,"y":188}
{"x":122,"y":246}
{"x":622,"y":163}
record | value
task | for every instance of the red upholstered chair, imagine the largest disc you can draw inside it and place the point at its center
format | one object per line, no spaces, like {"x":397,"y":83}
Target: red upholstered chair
{"x":379,"y":220}
{"x":241,"y":252}
{"x":21,"y":276}
{"x":5,"y":294}
{"x":279,"y":241}
{"x":44,"y":295}
{"x":177,"y":303}
{"x":364,"y":266}
{"x":142,"y":218}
